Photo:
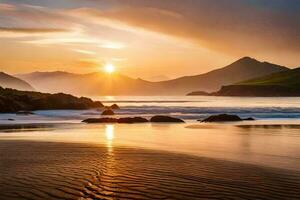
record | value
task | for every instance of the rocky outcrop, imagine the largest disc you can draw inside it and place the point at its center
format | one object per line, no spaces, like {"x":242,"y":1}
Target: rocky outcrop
{"x":249,"y":119}
{"x":125,"y":120}
{"x":160,"y":118}
{"x":198,"y":93}
{"x":224,"y":118}
{"x":65,"y":101}
{"x":131,"y":120}
{"x":24,"y":112}
{"x":114,"y":107}
{"x":14,"y":100}
{"x":108,"y":112}
{"x":100,"y":120}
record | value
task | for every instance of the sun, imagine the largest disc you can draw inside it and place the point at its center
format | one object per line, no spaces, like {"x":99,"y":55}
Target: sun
{"x":109,"y":68}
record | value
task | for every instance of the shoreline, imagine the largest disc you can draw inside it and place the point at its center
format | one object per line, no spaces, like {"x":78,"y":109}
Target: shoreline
{"x":244,"y":143}
{"x":68,"y":170}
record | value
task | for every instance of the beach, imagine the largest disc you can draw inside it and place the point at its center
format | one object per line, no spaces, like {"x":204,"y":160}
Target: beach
{"x":144,"y":99}
{"x":52,"y":170}
{"x":53,"y":155}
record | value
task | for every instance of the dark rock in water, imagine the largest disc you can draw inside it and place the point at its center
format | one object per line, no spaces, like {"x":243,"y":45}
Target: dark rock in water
{"x":108,"y":112}
{"x":198,"y":93}
{"x":131,"y":120}
{"x":222,"y":118}
{"x":24,"y":112}
{"x":160,"y":118}
{"x":114,"y":107}
{"x":125,"y":120}
{"x":11,"y":119}
{"x":249,"y":119}
{"x":100,"y":120}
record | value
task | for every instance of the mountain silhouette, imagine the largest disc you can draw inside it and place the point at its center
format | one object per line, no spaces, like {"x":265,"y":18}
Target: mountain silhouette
{"x":99,"y":83}
{"x":285,"y":83}
{"x":8,"y":81}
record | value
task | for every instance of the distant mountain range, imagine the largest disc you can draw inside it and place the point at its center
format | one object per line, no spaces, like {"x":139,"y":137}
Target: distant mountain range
{"x":8,"y":81}
{"x":117,"y":84}
{"x":243,"y":69}
{"x":97,"y":83}
{"x":285,"y":83}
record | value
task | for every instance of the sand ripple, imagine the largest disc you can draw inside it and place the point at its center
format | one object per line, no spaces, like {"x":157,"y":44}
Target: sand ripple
{"x":40,"y":170}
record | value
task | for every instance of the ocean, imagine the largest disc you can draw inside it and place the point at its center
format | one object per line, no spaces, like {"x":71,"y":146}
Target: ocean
{"x":190,"y":108}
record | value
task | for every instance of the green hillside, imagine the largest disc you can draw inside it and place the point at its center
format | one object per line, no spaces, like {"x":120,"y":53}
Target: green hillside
{"x":290,"y":78}
{"x":282,"y":84}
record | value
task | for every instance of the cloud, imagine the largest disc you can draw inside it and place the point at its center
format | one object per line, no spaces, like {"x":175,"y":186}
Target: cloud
{"x":112,"y":45}
{"x":87,"y":52}
{"x":236,"y":26}
{"x":198,"y":33}
{"x":29,"y":20}
{"x":5,"y":6}
{"x":32,"y":30}
{"x":6,"y":32}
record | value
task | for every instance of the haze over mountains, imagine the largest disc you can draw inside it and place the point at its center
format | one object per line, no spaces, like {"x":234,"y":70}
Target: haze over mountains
{"x":99,"y":83}
{"x":8,"y":81}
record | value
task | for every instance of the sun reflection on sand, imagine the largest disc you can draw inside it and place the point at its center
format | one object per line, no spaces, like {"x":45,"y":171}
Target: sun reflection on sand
{"x":110,"y":135}
{"x":109,"y":163}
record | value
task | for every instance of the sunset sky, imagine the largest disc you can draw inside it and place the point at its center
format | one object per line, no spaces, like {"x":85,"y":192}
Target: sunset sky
{"x":152,"y":39}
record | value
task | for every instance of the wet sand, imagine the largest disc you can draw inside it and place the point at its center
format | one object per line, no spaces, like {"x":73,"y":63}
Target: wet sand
{"x":52,"y":170}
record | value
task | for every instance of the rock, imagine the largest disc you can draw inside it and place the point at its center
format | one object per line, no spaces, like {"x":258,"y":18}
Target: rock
{"x":100,"y":120}
{"x":160,"y":118}
{"x":114,"y":107}
{"x":11,"y":119}
{"x":22,"y":102}
{"x":222,"y":118}
{"x":198,"y":93}
{"x":24,"y":112}
{"x":125,"y":120}
{"x":131,"y":120}
{"x":249,"y":119}
{"x":108,"y":112}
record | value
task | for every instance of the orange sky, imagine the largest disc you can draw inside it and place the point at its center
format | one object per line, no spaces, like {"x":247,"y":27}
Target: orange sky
{"x":144,"y":38}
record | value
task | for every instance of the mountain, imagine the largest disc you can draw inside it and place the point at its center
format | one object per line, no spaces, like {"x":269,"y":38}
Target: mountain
{"x":243,"y":69}
{"x":157,"y":78}
{"x":8,"y":81}
{"x":118,"y":84}
{"x":12,"y":100}
{"x":285,"y":83}
{"x":88,"y":84}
